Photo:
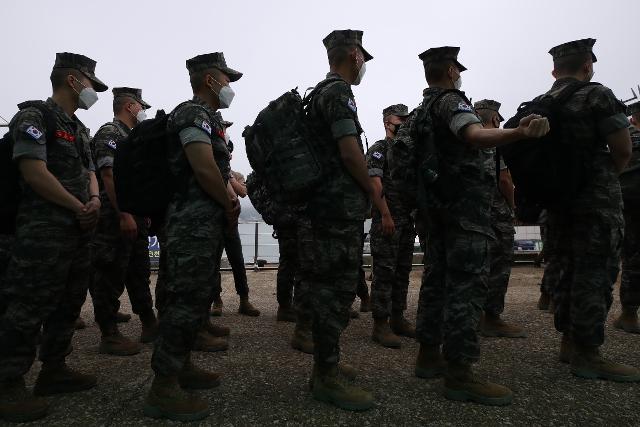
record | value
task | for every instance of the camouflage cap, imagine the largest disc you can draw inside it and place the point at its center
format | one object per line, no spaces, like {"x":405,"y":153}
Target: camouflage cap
{"x":436,"y":54}
{"x":399,"y":110}
{"x":346,"y":38}
{"x":85,"y":65}
{"x":489,"y":104}
{"x":574,"y":47}
{"x":633,"y":108}
{"x":222,"y":121}
{"x":212,"y":60}
{"x":130,"y":92}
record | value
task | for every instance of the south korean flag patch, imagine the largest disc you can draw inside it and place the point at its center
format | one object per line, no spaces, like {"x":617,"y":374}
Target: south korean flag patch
{"x":464,"y":107}
{"x":377,"y":155}
{"x":111,"y":143}
{"x":34,"y":132}
{"x":206,"y":126}
{"x":352,"y":105}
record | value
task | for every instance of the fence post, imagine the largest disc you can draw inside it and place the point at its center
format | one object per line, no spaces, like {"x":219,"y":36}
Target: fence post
{"x":255,"y":249}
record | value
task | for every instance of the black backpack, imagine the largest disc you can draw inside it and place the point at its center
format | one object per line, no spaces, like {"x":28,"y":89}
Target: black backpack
{"x":549,"y":170}
{"x":144,"y":184}
{"x":630,"y":177}
{"x":280,"y":147}
{"x":260,"y":198}
{"x":10,"y":192}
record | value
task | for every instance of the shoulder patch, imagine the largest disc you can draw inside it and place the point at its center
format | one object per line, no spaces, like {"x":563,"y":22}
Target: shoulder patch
{"x":111,"y":143}
{"x":34,"y":132}
{"x":377,"y":155}
{"x":351,"y":103}
{"x":465,"y":107}
{"x":206,"y":126}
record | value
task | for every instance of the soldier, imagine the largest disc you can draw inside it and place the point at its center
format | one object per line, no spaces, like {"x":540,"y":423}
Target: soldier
{"x":502,"y":219}
{"x":454,"y":284}
{"x":392,"y":239}
{"x":47,"y":277}
{"x":195,"y":221}
{"x":330,"y":229}
{"x":590,"y":226}
{"x":121,"y":242}
{"x":553,"y":268}
{"x":630,"y":283}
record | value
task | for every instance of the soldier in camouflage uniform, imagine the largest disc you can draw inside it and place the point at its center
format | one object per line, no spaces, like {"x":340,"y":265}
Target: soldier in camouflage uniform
{"x":630,"y":282}
{"x":392,"y":238}
{"x":195,"y":221}
{"x":590,"y":226}
{"x":502,"y":219}
{"x":46,"y":280}
{"x":458,"y":222}
{"x":121,"y":243}
{"x":330,"y":229}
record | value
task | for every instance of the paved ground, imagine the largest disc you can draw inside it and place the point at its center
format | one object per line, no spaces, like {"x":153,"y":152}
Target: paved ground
{"x":265,"y":381}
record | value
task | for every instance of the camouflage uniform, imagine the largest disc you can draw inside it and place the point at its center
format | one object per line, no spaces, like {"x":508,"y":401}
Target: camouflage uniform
{"x":454,"y":285}
{"x":287,"y":265}
{"x":589,"y":228}
{"x":194,"y":238}
{"x":330,"y":229}
{"x":392,"y":255}
{"x":630,"y":282}
{"x":46,"y":281}
{"x":554,"y":264}
{"x":117,"y":261}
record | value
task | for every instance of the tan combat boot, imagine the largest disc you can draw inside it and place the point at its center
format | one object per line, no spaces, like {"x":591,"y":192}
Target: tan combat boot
{"x":122,"y":317}
{"x":114,"y":343}
{"x":247,"y":308}
{"x":193,"y":378}
{"x":430,"y":363}
{"x":167,"y":400}
{"x":216,"y":308}
{"x":17,"y":405}
{"x":330,"y":385}
{"x":460,"y":383}
{"x":79,"y":324}
{"x":365,"y":304}
{"x":628,"y":320}
{"x":349,"y":372}
{"x":353,"y":313}
{"x":302,"y":337}
{"x":401,"y":326}
{"x":149,"y":327}
{"x":383,"y":335}
{"x":57,"y":377}
{"x":216,"y":330}
{"x":286,"y":314}
{"x":587,"y":362}
{"x":544,"y":301}
{"x":491,"y":325}
{"x":208,"y":343}
{"x":566,"y":349}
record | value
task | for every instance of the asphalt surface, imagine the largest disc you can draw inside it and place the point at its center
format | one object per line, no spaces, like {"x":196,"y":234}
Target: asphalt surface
{"x":265,"y":381}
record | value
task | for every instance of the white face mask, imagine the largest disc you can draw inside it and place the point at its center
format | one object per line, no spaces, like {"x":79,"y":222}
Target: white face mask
{"x":458,"y":83}
{"x":361,"y":72}
{"x":87,"y":96}
{"x":141,"y":116}
{"x":225,"y":96}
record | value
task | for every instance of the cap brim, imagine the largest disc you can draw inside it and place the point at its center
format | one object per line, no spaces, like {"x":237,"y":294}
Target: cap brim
{"x":367,"y":55}
{"x":97,"y":83}
{"x":226,"y":123}
{"x":460,"y":66}
{"x":233,"y":75}
{"x":500,"y":117}
{"x":593,"y":57}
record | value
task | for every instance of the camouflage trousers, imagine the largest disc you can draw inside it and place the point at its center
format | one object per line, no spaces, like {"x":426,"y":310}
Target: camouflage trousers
{"x":287,"y":265}
{"x":392,"y":259}
{"x":233,"y":248}
{"x":330,"y":256}
{"x":193,"y":240}
{"x":161,"y":279}
{"x":6,"y":247}
{"x":630,"y":284}
{"x":119,"y":262}
{"x":589,"y":246}
{"x":454,"y":289}
{"x":45,"y":285}
{"x":553,"y":260}
{"x":501,"y":260}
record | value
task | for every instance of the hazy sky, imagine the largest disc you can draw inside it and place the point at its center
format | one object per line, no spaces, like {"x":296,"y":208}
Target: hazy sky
{"x":278,"y":46}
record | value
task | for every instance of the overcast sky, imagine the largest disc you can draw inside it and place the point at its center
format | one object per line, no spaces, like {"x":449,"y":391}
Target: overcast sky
{"x":278,"y":46}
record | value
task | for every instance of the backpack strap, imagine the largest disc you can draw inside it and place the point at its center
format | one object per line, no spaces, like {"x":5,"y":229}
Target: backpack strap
{"x":566,"y":93}
{"x":323,"y":84}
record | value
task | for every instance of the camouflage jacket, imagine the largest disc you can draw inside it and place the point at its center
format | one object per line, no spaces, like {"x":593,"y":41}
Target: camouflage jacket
{"x":502,"y":216}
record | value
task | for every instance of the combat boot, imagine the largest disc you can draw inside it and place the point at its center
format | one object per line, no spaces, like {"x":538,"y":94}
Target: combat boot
{"x":114,"y":343}
{"x":566,"y":349}
{"x":460,"y":383}
{"x":430,"y":363}
{"x":193,"y":378}
{"x":365,"y":304}
{"x":17,"y":405}
{"x":149,"y":327}
{"x":401,"y":326}
{"x":205,"y":342}
{"x":353,"y":313}
{"x":79,"y":324}
{"x":331,"y":386}
{"x":383,"y":334}
{"x":216,"y":330}
{"x":628,"y":320}
{"x":491,"y":325}
{"x":286,"y":314}
{"x":167,"y":400}
{"x":247,"y":308}
{"x":544,"y":301}
{"x":216,"y":308}
{"x":346,"y":370}
{"x":302,"y":338}
{"x":57,"y":377}
{"x":587,"y":362}
{"x":122,"y":317}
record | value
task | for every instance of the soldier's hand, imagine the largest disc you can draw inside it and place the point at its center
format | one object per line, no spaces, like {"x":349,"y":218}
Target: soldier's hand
{"x":534,"y":126}
{"x":388,"y":226}
{"x":128,"y":226}
{"x":233,"y":213}
{"x":89,"y":214}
